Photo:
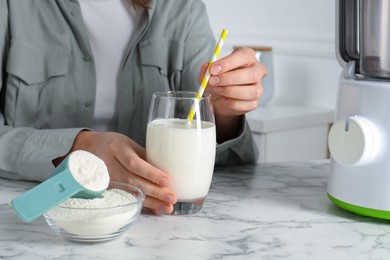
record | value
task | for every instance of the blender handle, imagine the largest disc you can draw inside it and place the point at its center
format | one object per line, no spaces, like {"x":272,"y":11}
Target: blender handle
{"x":347,"y":31}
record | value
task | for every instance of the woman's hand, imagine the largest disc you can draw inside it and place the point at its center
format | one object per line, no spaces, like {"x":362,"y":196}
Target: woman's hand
{"x":126,"y":162}
{"x":235,"y":86}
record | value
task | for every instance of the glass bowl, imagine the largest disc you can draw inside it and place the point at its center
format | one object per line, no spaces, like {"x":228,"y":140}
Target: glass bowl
{"x":93,"y":221}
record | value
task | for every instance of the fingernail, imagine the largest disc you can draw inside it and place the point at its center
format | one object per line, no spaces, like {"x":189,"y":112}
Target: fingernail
{"x":169,"y":198}
{"x":215,"y":69}
{"x":163,"y":181}
{"x":166,"y":208}
{"x":214,"y":80}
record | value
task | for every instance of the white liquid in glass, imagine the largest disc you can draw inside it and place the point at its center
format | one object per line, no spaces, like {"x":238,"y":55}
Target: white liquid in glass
{"x":184,"y":152}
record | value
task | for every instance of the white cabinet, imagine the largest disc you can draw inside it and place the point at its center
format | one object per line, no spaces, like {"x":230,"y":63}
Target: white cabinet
{"x":291,"y":132}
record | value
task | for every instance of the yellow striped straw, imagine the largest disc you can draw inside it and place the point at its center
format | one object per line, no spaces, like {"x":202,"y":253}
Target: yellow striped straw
{"x":206,"y":76}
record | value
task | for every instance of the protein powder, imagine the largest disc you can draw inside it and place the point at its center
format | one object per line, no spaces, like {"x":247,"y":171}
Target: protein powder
{"x":95,"y":217}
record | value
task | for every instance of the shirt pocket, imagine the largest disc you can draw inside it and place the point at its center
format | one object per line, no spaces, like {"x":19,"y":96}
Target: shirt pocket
{"x":164,"y":59}
{"x":32,"y":73}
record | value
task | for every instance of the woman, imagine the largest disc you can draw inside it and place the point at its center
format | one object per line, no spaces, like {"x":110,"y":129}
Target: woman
{"x":80,"y":75}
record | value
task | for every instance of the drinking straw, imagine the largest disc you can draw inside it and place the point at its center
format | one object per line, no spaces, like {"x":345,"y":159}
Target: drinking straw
{"x":206,"y":76}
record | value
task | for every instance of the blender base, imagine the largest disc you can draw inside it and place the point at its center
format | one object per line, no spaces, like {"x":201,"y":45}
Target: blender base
{"x":363,"y":211}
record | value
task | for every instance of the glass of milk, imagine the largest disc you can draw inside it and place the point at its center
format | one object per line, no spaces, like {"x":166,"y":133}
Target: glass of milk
{"x":183,"y":148}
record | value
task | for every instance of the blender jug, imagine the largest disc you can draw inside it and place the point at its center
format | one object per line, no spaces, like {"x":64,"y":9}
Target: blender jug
{"x":364,"y":37}
{"x":375,"y":38}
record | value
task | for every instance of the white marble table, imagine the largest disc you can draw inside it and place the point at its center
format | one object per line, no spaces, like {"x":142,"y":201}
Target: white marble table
{"x":268,"y":211}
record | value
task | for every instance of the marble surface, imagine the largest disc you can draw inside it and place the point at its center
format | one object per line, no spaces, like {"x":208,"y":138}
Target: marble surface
{"x":268,"y":211}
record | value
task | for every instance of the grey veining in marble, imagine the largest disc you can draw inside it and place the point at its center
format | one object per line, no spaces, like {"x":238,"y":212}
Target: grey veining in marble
{"x":268,"y":211}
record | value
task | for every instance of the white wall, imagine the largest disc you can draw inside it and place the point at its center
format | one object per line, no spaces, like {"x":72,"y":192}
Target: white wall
{"x":302,"y":34}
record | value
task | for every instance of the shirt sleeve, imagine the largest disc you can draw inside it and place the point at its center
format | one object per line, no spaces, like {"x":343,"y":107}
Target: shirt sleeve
{"x":26,"y":153}
{"x":240,"y":150}
{"x":199,"y":49}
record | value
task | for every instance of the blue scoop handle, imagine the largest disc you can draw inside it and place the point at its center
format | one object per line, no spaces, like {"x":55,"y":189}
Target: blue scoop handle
{"x":61,"y":186}
{"x":41,"y":198}
{"x":48,"y":194}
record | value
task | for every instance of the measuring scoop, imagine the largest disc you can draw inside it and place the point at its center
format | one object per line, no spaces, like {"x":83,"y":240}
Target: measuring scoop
{"x":81,"y":174}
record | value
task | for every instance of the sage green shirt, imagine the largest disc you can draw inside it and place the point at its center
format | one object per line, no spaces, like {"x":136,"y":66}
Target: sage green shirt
{"x":47,"y":71}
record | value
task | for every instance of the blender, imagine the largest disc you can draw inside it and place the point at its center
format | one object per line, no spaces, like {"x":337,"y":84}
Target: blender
{"x":359,"y":179}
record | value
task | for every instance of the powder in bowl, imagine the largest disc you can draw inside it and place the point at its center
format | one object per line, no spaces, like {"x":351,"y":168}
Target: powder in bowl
{"x":98,"y":219}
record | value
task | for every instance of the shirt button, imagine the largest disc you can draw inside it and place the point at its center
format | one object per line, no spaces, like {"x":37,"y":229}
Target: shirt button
{"x":87,"y":58}
{"x":74,"y":13}
{"x":87,"y":104}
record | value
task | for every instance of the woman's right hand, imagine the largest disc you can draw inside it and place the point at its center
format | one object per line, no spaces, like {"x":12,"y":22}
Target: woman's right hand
{"x":126,"y":162}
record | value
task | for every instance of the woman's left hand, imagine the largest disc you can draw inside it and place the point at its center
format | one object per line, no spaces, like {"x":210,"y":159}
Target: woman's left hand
{"x":235,"y":86}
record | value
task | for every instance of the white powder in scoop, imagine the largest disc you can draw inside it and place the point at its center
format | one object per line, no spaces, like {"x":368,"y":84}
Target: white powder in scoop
{"x":95,"y":217}
{"x":89,"y":170}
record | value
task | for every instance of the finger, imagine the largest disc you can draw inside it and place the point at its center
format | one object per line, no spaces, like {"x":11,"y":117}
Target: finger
{"x":139,"y":150}
{"x":243,"y":57}
{"x":234,"y":107}
{"x":244,"y":76}
{"x":158,"y":206}
{"x":118,"y":172}
{"x":155,"y":191}
{"x":243,"y":92}
{"x":121,"y":174}
{"x":135,"y":164}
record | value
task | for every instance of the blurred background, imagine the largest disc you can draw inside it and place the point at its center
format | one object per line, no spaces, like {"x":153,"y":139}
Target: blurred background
{"x":298,"y":43}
